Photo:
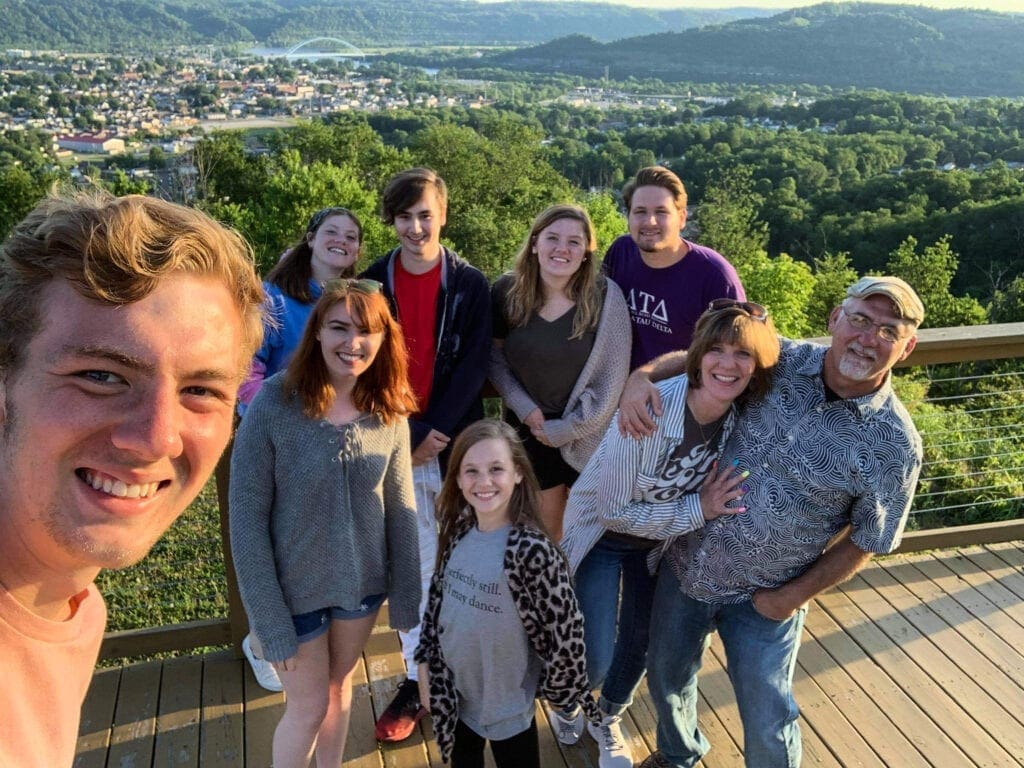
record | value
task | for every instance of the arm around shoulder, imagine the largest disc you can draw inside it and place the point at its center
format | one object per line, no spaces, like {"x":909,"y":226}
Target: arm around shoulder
{"x":620,"y":506}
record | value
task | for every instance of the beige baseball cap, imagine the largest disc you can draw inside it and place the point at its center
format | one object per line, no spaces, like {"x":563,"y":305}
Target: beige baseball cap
{"x":896,"y":290}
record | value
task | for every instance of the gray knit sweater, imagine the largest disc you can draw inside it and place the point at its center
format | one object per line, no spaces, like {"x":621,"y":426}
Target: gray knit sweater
{"x":321,"y":516}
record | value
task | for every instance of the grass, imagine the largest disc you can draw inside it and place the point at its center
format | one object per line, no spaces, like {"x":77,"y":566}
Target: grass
{"x":182,"y":578}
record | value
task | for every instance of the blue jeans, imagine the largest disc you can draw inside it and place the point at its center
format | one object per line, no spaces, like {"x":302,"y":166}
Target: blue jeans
{"x":616,"y":633}
{"x":761,"y":657}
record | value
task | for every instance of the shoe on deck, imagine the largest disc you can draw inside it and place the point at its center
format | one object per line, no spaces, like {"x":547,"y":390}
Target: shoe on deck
{"x":613,"y":751}
{"x":656,"y":760}
{"x":402,"y":714}
{"x":262,"y":670}
{"x":567,"y":727}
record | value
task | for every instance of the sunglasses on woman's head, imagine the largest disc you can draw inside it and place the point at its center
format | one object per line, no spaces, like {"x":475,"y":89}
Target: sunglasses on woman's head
{"x":363,"y":285}
{"x":756,"y":311}
{"x":318,"y":218}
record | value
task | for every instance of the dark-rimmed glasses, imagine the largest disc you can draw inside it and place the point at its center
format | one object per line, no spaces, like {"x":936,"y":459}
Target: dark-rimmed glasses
{"x":362,"y":285}
{"x":757,"y":311}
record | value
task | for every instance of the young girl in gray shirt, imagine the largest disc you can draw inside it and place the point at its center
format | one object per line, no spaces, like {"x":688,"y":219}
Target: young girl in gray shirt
{"x":502,"y":622}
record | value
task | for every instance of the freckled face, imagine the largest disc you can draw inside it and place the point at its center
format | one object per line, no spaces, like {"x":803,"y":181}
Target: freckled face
{"x":115,"y":420}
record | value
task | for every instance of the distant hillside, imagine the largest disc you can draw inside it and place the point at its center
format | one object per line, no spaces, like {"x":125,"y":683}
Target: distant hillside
{"x":894,"y":47}
{"x":124,"y":25}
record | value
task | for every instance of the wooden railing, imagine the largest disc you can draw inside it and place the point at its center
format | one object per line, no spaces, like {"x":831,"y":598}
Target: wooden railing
{"x":935,"y":346}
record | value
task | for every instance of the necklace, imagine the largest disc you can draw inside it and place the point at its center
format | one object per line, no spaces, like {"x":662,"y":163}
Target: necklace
{"x":706,"y":438}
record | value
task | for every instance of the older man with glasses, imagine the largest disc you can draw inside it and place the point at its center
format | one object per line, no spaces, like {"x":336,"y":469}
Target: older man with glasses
{"x":831,"y":452}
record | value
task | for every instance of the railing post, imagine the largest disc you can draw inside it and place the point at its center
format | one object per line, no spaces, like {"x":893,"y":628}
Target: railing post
{"x":236,"y":612}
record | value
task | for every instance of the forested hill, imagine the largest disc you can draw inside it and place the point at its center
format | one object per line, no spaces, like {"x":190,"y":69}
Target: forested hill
{"x":894,"y":47}
{"x":122,"y":25}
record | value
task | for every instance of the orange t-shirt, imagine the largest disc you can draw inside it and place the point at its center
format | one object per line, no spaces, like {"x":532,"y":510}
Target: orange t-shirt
{"x":48,"y":666}
{"x":416,"y":296}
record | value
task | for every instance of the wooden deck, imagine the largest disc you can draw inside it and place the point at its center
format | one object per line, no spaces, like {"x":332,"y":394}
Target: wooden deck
{"x":919,"y":661}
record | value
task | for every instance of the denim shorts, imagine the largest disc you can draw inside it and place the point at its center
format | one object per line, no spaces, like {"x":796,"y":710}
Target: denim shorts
{"x":309,"y":626}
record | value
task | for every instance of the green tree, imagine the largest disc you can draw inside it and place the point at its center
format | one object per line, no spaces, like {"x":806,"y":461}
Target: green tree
{"x":931,"y":273}
{"x":292,"y":192}
{"x":157,"y":159}
{"x":498,"y":181}
{"x":1008,"y":304}
{"x":21,"y":192}
{"x":121,"y":184}
{"x":729,"y":223}
{"x":832,"y":276}
{"x":608,"y":221}
{"x":728,"y":217}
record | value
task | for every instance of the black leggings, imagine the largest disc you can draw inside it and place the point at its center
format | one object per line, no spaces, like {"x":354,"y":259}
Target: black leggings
{"x":519,"y":751}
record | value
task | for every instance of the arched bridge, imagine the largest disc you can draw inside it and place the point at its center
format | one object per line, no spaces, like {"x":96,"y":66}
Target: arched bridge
{"x":305,"y":49}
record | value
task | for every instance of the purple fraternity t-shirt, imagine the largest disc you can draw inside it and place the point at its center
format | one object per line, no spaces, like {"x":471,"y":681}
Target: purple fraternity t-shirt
{"x":664,"y":304}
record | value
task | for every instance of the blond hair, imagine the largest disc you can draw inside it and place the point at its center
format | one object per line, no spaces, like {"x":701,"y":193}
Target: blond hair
{"x":526,"y":295}
{"x":116,"y":251}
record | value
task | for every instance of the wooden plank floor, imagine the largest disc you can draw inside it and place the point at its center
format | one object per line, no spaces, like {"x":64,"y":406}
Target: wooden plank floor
{"x":919,"y":661}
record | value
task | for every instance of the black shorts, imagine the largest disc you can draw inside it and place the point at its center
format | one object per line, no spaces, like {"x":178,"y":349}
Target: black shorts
{"x":549,"y":466}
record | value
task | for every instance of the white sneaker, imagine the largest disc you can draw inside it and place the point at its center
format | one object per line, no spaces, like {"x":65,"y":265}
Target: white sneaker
{"x":567,"y":728}
{"x":613,"y":751}
{"x":263,"y":670}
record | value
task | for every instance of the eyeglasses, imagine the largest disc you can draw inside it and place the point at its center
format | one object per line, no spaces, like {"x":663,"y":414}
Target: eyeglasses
{"x":318,"y":218}
{"x":362,"y":285}
{"x":888,"y":333}
{"x":757,"y":311}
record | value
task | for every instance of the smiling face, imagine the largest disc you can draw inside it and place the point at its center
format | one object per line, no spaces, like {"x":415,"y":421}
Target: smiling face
{"x":349,"y":348}
{"x":725,"y":371}
{"x":334,"y":246}
{"x":487,"y":477}
{"x":859,"y":359}
{"x":113,"y":422}
{"x":560,"y":249}
{"x":418,"y":228}
{"x":654,"y":220}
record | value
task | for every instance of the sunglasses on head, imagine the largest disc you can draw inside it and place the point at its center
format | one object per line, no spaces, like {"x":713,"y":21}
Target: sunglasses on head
{"x":318,"y":218}
{"x":756,"y":311}
{"x":362,"y":285}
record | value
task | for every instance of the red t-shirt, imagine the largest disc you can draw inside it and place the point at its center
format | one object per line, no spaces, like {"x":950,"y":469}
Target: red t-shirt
{"x":416,"y":296}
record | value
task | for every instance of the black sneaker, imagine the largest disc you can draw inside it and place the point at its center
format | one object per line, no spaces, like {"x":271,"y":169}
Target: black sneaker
{"x":402,"y":714}
{"x":656,"y":760}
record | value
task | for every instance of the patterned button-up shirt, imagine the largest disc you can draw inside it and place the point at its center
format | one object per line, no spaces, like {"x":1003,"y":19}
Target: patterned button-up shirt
{"x":815,"y":467}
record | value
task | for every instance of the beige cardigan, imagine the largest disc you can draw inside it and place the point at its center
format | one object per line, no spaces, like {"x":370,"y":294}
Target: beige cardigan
{"x":594,"y":397}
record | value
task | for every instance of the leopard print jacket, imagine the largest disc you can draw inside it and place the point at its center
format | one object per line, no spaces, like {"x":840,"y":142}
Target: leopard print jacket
{"x":539,"y":582}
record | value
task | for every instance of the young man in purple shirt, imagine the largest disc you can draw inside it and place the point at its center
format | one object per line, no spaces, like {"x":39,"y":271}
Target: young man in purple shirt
{"x":668,"y":281}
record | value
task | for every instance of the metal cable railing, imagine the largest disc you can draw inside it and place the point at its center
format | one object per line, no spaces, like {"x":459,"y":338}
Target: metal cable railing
{"x":972,"y":424}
